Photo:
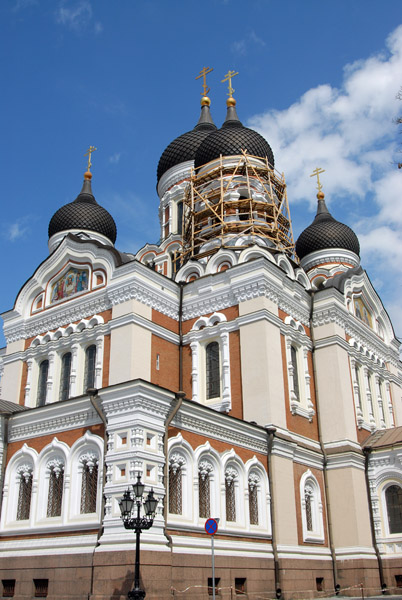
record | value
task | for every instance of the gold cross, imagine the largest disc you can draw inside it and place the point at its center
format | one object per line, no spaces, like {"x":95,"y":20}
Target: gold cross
{"x":228,"y":77}
{"x":88,"y":153}
{"x":203,"y":74}
{"x":316,"y":173}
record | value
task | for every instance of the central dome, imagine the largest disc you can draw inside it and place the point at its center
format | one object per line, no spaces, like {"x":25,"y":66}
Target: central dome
{"x":185,"y":146}
{"x":231,"y":140}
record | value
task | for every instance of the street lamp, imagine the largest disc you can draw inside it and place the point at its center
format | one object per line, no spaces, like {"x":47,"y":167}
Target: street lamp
{"x":138,"y":523}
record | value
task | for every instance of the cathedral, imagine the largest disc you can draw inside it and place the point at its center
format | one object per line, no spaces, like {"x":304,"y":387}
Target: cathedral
{"x":239,"y":374}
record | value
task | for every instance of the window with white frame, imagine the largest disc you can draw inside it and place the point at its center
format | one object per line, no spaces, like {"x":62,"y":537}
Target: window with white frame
{"x":231,"y":475}
{"x":90,"y":365}
{"x":205,"y":470}
{"x":42,"y":382}
{"x":253,"y":482}
{"x":311,"y":509}
{"x":209,"y":343}
{"x":25,"y":477}
{"x":64,"y":388}
{"x":212,"y":371}
{"x":299,"y":380}
{"x":89,"y":482}
{"x":393,"y":502}
{"x":55,"y":471}
{"x":176,"y":463}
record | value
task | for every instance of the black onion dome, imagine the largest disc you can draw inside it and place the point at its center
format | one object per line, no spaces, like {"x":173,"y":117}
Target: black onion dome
{"x":325,"y":232}
{"x":185,"y":146}
{"x":230,"y":140}
{"x":84,"y":213}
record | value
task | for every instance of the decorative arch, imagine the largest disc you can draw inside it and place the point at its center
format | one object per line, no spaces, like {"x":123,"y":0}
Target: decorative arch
{"x":180,"y":478}
{"x":258,"y":496}
{"x":85,"y":470}
{"x":311,"y":508}
{"x":21,"y":468}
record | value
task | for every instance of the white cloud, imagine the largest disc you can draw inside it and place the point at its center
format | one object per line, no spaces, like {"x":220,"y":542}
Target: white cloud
{"x":350,"y":132}
{"x":77,"y":15}
{"x":115,"y":158}
{"x":23,"y":4}
{"x":242,"y":46}
{"x":16,"y":230}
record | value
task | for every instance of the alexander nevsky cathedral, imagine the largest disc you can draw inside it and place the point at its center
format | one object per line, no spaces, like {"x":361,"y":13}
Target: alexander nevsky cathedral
{"x":241,"y":371}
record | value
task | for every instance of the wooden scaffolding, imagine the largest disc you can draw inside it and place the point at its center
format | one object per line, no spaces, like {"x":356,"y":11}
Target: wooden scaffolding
{"x":233,"y":205}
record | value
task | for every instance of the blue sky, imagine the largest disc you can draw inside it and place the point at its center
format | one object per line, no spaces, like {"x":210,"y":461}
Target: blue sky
{"x":317,"y":78}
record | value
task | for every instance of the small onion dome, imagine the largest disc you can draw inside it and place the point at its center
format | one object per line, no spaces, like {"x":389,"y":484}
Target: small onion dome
{"x":185,"y":146}
{"x":325,"y":232}
{"x":231,"y":139}
{"x":85,"y":214}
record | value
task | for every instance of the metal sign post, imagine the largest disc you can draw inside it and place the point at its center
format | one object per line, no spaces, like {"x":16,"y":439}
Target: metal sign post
{"x":211,"y":527}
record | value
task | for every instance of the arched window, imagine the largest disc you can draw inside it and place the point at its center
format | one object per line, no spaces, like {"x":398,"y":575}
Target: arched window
{"x":89,"y":486}
{"x":393,"y":498}
{"x":176,"y":463}
{"x":65,"y":376}
{"x":179,"y":218}
{"x":308,"y":493}
{"x":293,"y":355}
{"x":90,"y":361}
{"x":25,"y":492}
{"x":204,"y":489}
{"x":253,"y":498}
{"x":56,"y":483}
{"x":311,"y":505}
{"x":42,"y":382}
{"x":213,"y":378}
{"x":230,"y":494}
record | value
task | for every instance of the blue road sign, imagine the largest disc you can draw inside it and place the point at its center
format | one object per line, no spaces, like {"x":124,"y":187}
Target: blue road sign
{"x":211,"y":526}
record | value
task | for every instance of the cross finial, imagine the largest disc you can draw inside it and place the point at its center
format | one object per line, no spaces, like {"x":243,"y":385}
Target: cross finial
{"x":228,"y":77}
{"x":203,"y":73}
{"x":316,"y":173}
{"x":89,"y":153}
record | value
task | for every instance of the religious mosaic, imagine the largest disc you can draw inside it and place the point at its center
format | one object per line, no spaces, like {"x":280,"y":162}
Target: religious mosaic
{"x":362,"y":312}
{"x":71,"y":283}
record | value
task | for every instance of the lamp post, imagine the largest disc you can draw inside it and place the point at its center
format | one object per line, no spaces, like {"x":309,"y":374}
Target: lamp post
{"x":130,"y":508}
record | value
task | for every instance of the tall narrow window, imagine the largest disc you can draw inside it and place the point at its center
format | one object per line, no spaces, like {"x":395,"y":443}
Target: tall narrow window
{"x":213,"y":370}
{"x":175,"y":491}
{"x":90,"y":361}
{"x":230,"y":494}
{"x":393,"y":498}
{"x":56,"y":483}
{"x":24,"y":493}
{"x":253,"y":498}
{"x":89,"y":487}
{"x":65,"y":376}
{"x":308,"y":492}
{"x":179,"y":217}
{"x":42,"y":382}
{"x":293,"y":355}
{"x":357,"y":377}
{"x":204,"y":489}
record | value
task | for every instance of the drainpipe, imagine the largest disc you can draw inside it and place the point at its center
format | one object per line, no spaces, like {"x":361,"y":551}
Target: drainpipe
{"x":324,"y":453}
{"x":367,"y":452}
{"x":95,"y":401}
{"x":5,"y":419}
{"x":181,"y":284}
{"x":175,"y":409}
{"x":271,"y":434}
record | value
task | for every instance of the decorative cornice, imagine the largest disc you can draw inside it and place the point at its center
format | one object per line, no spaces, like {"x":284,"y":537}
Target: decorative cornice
{"x":211,"y":424}
{"x":52,"y":418}
{"x":331,"y":313}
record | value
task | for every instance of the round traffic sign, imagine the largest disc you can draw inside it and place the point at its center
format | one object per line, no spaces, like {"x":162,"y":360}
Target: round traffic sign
{"x":211,"y":526}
